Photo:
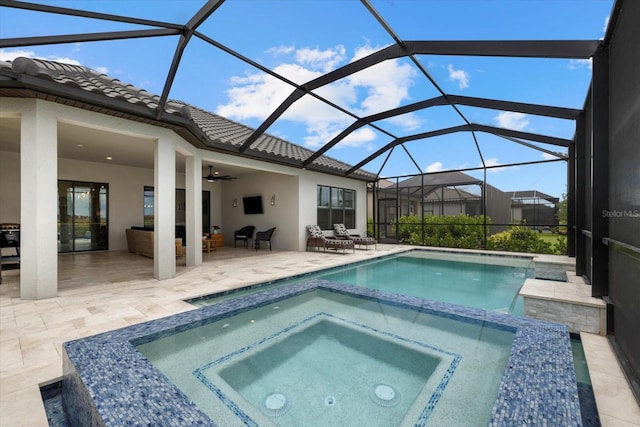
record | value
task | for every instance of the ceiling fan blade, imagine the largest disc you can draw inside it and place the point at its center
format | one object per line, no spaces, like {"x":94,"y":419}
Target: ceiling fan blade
{"x":214,"y":177}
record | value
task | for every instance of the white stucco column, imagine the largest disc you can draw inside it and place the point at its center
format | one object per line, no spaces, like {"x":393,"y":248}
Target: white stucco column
{"x":164,"y":259}
{"x":193,"y":198}
{"x":38,"y":202}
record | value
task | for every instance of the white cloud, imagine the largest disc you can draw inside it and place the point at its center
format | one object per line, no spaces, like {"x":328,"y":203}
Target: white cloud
{"x":547,"y":156}
{"x":323,"y":60}
{"x":281,"y":50}
{"x":434,"y":167}
{"x":512,"y":120}
{"x":493,"y":162}
{"x":103,"y":70}
{"x":378,"y":88}
{"x":386,"y":84}
{"x":253,"y":96}
{"x":64,"y":60}
{"x":11,"y":55}
{"x":460,"y":76}
{"x":408,"y":121}
{"x":359,"y":138}
{"x":575,"y":64}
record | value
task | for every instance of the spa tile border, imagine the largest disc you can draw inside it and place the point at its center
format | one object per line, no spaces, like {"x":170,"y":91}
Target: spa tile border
{"x":107,"y":381}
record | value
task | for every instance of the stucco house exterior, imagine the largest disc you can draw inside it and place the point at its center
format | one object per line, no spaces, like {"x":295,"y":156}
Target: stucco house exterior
{"x":63,"y":122}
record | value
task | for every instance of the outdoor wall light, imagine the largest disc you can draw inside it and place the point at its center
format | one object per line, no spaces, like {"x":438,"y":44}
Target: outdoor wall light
{"x":273,"y":200}
{"x":235,"y":203}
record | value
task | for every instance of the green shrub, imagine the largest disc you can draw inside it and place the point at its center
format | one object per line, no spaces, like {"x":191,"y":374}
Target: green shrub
{"x":519,"y":239}
{"x":560,"y":247}
{"x":460,"y":231}
{"x":370,"y":232}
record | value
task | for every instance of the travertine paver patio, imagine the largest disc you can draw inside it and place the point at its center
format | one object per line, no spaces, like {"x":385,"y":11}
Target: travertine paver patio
{"x":104,"y":291}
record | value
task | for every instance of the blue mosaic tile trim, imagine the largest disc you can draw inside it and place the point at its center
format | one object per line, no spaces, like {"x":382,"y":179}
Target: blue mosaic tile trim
{"x":548,"y":383}
{"x":52,"y":400}
{"x":229,"y":403}
{"x":123,"y":388}
{"x":310,"y":274}
{"x":108,"y":382}
{"x":435,"y":397}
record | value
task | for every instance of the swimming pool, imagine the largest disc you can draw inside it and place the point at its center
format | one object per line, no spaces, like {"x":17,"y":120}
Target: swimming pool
{"x":490,"y":282}
{"x":107,"y":377}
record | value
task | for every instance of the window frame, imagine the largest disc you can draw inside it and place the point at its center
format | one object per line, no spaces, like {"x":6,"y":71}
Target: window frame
{"x":336,"y":206}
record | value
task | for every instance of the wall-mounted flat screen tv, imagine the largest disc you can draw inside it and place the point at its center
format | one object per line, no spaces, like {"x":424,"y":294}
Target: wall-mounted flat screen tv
{"x":252,"y":205}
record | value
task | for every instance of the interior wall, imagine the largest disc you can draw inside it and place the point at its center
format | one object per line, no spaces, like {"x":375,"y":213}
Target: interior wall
{"x":215,"y":189}
{"x":9,"y":187}
{"x":126,"y":186}
{"x":624,"y":183}
{"x":284,"y":189}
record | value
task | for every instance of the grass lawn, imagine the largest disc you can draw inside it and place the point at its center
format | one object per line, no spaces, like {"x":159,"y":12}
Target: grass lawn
{"x":551,"y":238}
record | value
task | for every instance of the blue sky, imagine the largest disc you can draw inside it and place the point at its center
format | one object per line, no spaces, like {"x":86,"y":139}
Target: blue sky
{"x":303,"y":39}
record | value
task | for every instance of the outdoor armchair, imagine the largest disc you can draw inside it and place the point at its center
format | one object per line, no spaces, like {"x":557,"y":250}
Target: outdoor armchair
{"x":264,"y":236}
{"x":244,"y":234}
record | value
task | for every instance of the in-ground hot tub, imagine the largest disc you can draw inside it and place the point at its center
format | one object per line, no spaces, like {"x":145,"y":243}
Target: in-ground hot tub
{"x":277,"y":356}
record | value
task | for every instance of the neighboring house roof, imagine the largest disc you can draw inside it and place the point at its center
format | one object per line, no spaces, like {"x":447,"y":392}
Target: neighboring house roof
{"x":449,"y":194}
{"x":532,"y":195}
{"x":85,"y":88}
{"x":439,"y":179}
{"x":432,"y":182}
{"x":435,"y":194}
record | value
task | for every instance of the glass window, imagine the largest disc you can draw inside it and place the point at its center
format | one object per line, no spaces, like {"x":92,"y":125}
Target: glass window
{"x":349,"y":199}
{"x":323,"y":196}
{"x":82,"y":216}
{"x":336,"y":206}
{"x":336,"y":197}
{"x":148,"y":204}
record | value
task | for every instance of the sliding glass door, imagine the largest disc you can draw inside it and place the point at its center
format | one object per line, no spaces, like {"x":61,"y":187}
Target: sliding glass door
{"x":82,"y":216}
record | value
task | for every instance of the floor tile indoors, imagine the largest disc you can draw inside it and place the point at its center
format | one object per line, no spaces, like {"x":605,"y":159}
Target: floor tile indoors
{"x":103,"y":291}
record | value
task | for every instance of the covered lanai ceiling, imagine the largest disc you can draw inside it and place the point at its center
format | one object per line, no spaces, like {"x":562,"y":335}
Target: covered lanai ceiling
{"x":387,"y":86}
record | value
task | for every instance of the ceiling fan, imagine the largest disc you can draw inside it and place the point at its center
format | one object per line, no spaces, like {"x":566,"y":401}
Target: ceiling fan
{"x":215,"y":177}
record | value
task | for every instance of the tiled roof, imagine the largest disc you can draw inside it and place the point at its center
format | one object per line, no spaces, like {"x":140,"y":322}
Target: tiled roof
{"x":77,"y":81}
{"x":218,"y":128}
{"x":79,"y":77}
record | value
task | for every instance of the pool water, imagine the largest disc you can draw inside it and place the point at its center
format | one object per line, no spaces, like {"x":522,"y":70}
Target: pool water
{"x":332,"y":373}
{"x":488,"y":282}
{"x":51,"y":394}
{"x":324,"y":358}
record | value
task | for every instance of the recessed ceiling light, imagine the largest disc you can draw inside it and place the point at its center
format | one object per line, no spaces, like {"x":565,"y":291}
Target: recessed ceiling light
{"x":80,"y":145}
{"x":109,"y":158}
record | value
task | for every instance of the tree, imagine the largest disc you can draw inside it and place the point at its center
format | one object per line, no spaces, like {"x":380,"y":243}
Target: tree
{"x":562,"y":213}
